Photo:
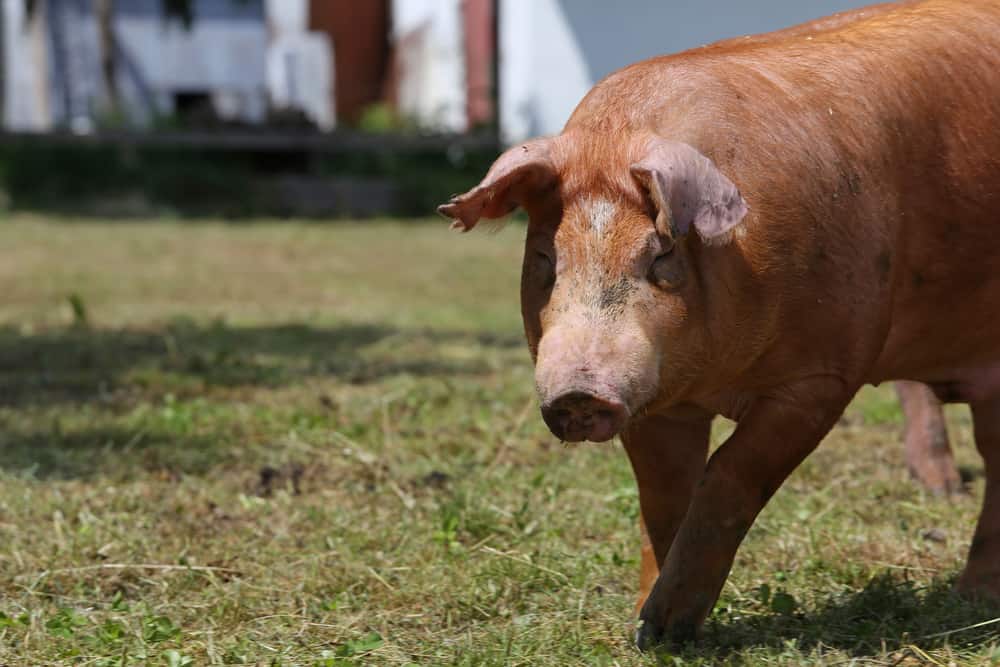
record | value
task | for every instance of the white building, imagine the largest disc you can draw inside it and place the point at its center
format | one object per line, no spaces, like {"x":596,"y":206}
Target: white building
{"x":431,"y":82}
{"x":299,"y":63}
{"x":553,"y":51}
{"x":218,"y":65}
{"x":245,"y":58}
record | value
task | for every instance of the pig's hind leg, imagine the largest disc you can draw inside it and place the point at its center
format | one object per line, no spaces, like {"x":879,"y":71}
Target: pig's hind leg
{"x":982,"y":571}
{"x":925,"y":440}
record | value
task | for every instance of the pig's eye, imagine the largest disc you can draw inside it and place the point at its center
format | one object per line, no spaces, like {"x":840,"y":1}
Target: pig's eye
{"x":544,"y":269}
{"x":666,"y":270}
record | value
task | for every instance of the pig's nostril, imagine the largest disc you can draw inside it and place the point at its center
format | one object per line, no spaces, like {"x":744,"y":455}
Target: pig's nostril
{"x":577,"y":415}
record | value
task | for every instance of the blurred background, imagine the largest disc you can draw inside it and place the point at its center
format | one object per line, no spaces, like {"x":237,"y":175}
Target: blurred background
{"x":310,"y":107}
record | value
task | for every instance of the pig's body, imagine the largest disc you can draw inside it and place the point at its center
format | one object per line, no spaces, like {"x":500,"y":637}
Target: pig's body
{"x":870,"y":159}
{"x":925,"y":437}
{"x":843,"y":181}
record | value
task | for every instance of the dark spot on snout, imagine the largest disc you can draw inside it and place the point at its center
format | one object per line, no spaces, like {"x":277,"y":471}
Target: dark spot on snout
{"x":615,"y":295}
{"x":918,"y":280}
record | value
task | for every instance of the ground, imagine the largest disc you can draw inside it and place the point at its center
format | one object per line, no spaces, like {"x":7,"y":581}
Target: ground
{"x":283,"y":443}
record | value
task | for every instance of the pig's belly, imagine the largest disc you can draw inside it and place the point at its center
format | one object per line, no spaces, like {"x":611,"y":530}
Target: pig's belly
{"x":957,"y":354}
{"x":967,"y":385}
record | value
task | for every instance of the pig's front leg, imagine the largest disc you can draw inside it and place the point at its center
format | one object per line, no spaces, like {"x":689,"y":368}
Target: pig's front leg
{"x":668,"y":459}
{"x":771,"y":439}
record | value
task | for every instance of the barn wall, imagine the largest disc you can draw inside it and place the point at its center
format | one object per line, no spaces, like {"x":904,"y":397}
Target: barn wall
{"x":359,"y":32}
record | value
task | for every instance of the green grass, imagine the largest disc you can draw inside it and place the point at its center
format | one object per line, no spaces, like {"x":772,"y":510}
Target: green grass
{"x":295,"y":444}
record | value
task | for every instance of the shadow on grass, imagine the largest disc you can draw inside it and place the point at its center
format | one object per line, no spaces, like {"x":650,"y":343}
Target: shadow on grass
{"x":78,"y":402}
{"x":82,"y":365}
{"x":111,"y":451}
{"x":890,"y":615}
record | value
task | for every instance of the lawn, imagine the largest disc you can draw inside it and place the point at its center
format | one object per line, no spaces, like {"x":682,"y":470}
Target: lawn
{"x":278,"y":443}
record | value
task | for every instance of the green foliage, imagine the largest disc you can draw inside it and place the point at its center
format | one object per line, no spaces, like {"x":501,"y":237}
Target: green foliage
{"x":380,"y":118}
{"x":79,"y":309}
{"x":881,"y":408}
{"x":360,"y":646}
{"x":783,"y":603}
{"x":104,"y":181}
{"x":174,"y":658}
{"x":156,"y":629}
{"x":9,"y":621}
{"x":75,"y":179}
{"x":65,"y":623}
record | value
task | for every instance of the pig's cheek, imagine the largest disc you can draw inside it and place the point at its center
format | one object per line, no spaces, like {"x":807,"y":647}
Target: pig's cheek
{"x":535,"y":301}
{"x":533,"y":347}
{"x":643,"y":379}
{"x":532,"y":316}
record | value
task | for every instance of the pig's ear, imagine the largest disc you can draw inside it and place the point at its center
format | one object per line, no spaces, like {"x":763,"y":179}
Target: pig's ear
{"x":689,"y":190}
{"x":521,"y":172}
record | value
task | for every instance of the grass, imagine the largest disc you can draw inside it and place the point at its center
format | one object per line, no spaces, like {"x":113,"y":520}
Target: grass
{"x":294,"y":444}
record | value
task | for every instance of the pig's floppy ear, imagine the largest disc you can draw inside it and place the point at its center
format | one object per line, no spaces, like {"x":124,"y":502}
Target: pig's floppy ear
{"x":521,"y":171}
{"x":689,"y":190}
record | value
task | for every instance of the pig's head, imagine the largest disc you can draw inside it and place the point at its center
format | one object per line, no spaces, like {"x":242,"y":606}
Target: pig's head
{"x":611,"y":287}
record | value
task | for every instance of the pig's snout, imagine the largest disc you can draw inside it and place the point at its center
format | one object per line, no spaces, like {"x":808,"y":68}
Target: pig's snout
{"x":578,"y":416}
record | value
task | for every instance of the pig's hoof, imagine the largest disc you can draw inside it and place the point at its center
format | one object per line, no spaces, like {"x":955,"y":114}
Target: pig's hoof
{"x":951,"y":486}
{"x":953,"y":489}
{"x":651,"y":635}
{"x":648,"y":636}
{"x":981,"y":586}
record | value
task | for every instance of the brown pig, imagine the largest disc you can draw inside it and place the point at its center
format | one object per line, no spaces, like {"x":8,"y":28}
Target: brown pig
{"x":757,"y":229}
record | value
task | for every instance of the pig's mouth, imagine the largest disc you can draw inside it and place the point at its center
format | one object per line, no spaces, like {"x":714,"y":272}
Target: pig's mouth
{"x":577,"y":416}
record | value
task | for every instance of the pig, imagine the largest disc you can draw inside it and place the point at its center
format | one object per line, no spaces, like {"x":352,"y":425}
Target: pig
{"x":925,"y":440}
{"x":757,"y":229}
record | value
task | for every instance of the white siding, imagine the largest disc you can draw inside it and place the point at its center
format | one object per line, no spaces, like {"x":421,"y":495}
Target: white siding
{"x":224,"y":53}
{"x":429,"y":37}
{"x":26,"y":95}
{"x":300,"y":68}
{"x":553,"y":51}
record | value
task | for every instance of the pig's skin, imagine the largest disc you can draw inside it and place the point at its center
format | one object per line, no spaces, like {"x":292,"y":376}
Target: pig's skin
{"x":925,"y":440}
{"x":756,"y":229}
